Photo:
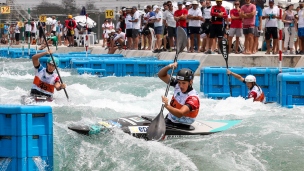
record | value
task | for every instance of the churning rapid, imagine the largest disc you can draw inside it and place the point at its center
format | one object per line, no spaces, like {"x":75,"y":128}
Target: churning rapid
{"x":269,"y":137}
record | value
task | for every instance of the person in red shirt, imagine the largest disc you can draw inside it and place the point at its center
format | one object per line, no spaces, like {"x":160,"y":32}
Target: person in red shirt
{"x":218,"y":15}
{"x":235,"y":26}
{"x":70,"y":24}
{"x":180,"y":16}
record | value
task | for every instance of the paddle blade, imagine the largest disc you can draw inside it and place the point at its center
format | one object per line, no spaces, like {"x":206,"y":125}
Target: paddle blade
{"x":157,"y":128}
{"x":223,"y":44}
{"x":181,"y":42}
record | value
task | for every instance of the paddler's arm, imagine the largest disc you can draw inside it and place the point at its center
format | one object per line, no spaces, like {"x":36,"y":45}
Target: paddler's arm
{"x":163,"y":73}
{"x":176,"y":112}
{"x":36,"y":57}
{"x":237,"y":76}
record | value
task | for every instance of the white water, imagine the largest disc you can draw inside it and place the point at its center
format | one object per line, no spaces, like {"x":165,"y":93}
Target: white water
{"x":269,"y":137}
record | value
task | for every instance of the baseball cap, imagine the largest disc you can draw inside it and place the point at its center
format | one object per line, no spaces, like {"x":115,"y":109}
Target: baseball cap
{"x":271,"y":1}
{"x":155,"y":7}
{"x":179,"y":3}
{"x":188,"y":3}
{"x":194,"y":3}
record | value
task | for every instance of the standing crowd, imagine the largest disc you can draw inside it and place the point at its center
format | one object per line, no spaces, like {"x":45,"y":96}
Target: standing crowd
{"x":205,"y":25}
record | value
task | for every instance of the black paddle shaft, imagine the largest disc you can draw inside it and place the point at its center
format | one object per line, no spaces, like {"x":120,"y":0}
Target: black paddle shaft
{"x":223,"y":44}
{"x":43,"y":34}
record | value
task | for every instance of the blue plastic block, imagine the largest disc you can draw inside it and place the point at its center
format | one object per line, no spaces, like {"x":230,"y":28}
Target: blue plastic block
{"x":15,"y":109}
{"x":146,"y":68}
{"x":39,"y":145}
{"x":114,"y":67}
{"x":10,"y":124}
{"x":97,"y":64}
{"x":13,"y":146}
{"x":26,"y":120}
{"x":100,"y":72}
{"x":130,"y":68}
{"x":214,"y":80}
{"x":45,"y":163}
{"x":290,"y":89}
{"x":217,"y":95}
{"x":299,"y":69}
{"x":80,"y":64}
{"x":65,"y":62}
{"x":85,"y":71}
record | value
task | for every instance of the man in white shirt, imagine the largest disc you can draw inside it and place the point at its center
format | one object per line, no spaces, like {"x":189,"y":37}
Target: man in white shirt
{"x":195,"y":17}
{"x":28,"y":29}
{"x":301,"y":26}
{"x":170,"y":23}
{"x":117,"y":40}
{"x":129,"y":28}
{"x":33,"y":32}
{"x":135,"y":26}
{"x":54,"y":25}
{"x":271,"y":14}
{"x":158,"y":28}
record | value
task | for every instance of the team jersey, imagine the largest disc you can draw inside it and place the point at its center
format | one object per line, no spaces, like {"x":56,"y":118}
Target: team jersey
{"x":215,"y":10}
{"x":44,"y":82}
{"x":256,"y":93}
{"x":179,"y":99}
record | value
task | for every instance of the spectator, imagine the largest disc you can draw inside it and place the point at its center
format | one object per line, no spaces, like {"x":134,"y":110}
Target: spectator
{"x":41,"y":30}
{"x":135,"y":27}
{"x":301,"y":27}
{"x":12,"y":33}
{"x":248,"y":12}
{"x":235,"y":27}
{"x":158,"y":28}
{"x":129,"y":29}
{"x":165,"y":29}
{"x":70,"y":24}
{"x":194,"y":16}
{"x":117,"y":40}
{"x":54,"y":25}
{"x":170,"y":23}
{"x":33,"y":32}
{"x":17,"y":33}
{"x":218,"y":13}
{"x":28,"y":29}
{"x":257,"y":28}
{"x":271,"y":14}
{"x":289,"y":29}
{"x":180,"y":16}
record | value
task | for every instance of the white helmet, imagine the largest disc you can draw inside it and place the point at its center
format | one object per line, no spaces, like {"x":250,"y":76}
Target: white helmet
{"x":250,"y":79}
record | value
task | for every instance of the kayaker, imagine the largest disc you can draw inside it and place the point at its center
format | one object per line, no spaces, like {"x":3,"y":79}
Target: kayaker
{"x":254,"y":91}
{"x":184,"y":105}
{"x":46,"y":80}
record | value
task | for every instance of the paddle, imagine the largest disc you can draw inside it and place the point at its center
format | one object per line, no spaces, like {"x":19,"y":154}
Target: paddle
{"x":224,"y":50}
{"x":157,"y":128}
{"x":43,"y":34}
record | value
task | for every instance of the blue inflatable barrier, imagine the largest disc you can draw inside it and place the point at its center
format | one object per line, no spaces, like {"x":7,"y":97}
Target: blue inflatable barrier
{"x":290,"y":89}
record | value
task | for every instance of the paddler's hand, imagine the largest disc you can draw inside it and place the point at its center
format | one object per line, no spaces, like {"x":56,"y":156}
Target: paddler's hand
{"x":173,"y":65}
{"x":62,"y":86}
{"x":165,"y":100}
{"x":49,"y":51}
{"x":228,"y":72}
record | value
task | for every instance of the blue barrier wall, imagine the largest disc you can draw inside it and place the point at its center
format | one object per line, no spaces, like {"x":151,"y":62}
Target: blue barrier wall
{"x":214,"y":83}
{"x":26,"y":138}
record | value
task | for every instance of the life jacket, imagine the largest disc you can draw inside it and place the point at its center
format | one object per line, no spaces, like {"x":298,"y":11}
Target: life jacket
{"x":71,"y":23}
{"x":44,"y":82}
{"x":178,"y":100}
{"x":260,"y":97}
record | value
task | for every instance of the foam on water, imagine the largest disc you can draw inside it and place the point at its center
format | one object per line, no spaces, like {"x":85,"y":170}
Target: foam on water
{"x":269,"y":137}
